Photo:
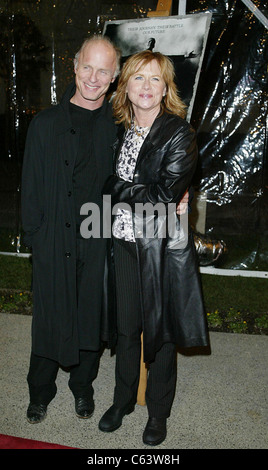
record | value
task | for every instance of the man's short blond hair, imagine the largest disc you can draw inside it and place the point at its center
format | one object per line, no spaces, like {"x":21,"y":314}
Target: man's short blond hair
{"x":98,"y":38}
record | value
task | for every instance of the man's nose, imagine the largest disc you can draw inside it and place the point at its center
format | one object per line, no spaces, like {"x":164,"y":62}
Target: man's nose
{"x":93,"y":76}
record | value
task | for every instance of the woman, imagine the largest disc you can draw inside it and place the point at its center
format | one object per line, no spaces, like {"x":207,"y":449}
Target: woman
{"x":157,"y":283}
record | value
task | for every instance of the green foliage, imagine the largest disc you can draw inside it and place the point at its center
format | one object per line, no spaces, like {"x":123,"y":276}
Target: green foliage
{"x":15,"y":273}
{"x":240,"y":293}
{"x":262,"y":322}
{"x":214,"y":319}
{"x":16,"y":302}
{"x":233,"y":304}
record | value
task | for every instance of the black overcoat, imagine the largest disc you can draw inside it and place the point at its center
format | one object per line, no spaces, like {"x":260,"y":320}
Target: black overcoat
{"x":48,"y":218}
{"x":170,"y":284}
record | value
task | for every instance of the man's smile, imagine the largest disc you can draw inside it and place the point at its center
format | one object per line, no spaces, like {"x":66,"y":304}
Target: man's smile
{"x":91,"y":87}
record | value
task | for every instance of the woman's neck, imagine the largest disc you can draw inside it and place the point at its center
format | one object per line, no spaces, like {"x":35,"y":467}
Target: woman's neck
{"x":145,"y":119}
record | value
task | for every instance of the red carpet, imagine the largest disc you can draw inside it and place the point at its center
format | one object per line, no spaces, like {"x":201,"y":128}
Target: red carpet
{"x":11,"y":442}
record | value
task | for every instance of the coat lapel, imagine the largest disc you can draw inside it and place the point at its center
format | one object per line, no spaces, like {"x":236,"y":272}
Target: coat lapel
{"x":152,"y":138}
{"x":149,"y":143}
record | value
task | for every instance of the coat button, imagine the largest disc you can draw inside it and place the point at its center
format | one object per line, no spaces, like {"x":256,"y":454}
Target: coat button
{"x":72,"y":131}
{"x":69,"y":193}
{"x":66,"y":162}
{"x":67,"y":254}
{"x":67,"y":225}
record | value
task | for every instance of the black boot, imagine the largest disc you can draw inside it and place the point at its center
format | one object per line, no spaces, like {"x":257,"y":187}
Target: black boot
{"x":113,"y":417}
{"x":36,"y":413}
{"x":155,"y":431}
{"x":84,"y":408}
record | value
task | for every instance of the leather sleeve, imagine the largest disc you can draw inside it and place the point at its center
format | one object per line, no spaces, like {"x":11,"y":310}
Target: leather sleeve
{"x":176,"y":171}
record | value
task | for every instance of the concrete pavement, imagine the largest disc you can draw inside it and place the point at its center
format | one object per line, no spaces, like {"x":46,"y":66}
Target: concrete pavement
{"x":220,"y":403}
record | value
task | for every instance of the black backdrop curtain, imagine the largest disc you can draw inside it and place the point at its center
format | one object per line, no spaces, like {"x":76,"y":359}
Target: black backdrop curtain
{"x":38,"y":43}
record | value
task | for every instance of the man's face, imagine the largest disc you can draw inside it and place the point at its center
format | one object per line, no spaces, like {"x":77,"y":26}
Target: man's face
{"x":94,"y":74}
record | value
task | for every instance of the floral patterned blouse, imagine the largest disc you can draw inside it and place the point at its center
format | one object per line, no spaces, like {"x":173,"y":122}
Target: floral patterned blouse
{"x":134,"y":138}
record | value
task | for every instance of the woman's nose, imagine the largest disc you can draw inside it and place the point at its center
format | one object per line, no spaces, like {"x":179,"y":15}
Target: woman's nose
{"x":146,"y":83}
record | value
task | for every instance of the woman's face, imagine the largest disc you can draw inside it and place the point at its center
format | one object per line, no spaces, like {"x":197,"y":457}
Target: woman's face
{"x":146,"y":89}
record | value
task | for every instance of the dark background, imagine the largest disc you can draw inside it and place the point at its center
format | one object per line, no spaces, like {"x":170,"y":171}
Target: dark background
{"x":38,"y":40}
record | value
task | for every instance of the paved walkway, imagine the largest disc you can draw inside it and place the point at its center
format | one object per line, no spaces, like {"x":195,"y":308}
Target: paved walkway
{"x":221,"y":399}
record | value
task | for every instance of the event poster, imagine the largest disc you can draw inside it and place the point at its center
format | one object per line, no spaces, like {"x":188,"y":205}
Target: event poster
{"x":182,"y":38}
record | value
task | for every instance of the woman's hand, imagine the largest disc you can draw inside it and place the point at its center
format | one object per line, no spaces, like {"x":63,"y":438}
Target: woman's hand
{"x":182,"y":207}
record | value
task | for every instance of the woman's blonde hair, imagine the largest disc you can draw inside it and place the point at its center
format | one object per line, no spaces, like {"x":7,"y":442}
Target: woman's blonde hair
{"x":171,"y":102}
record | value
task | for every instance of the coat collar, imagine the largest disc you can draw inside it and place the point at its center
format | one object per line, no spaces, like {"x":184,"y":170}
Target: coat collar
{"x":160,"y":121}
{"x":64,"y":124}
{"x":153,"y":136}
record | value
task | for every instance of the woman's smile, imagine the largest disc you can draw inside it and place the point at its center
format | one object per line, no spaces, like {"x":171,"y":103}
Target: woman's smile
{"x":146,"y":96}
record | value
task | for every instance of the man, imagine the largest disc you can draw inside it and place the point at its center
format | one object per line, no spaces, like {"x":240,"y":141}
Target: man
{"x":68,"y":156}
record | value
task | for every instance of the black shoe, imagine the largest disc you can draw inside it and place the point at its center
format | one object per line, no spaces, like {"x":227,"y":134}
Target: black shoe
{"x":84,"y":408}
{"x":155,"y":431}
{"x":36,"y":413}
{"x":113,"y":417}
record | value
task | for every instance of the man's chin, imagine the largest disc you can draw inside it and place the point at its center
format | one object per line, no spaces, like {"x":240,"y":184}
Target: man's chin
{"x":93,"y":101}
{"x":89,"y":99}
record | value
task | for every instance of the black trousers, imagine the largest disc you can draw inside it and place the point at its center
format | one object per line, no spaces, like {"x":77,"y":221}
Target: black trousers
{"x":162,"y":373}
{"x":43,"y":371}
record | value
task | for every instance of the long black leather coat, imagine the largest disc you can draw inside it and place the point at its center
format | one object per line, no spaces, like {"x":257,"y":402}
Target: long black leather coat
{"x":169,"y":278}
